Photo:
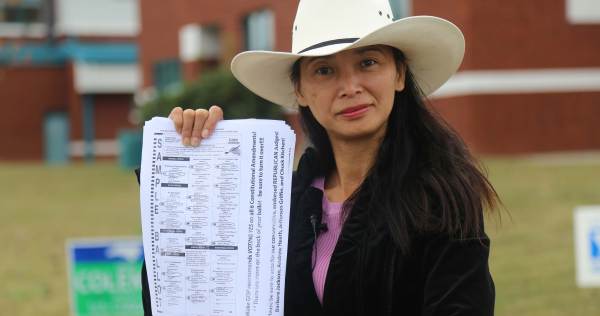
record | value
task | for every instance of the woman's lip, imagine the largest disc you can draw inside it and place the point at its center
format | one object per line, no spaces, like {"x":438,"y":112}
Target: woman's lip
{"x":355,"y":110}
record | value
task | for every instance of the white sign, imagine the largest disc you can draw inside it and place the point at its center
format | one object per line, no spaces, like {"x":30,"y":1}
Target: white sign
{"x":587,"y":245}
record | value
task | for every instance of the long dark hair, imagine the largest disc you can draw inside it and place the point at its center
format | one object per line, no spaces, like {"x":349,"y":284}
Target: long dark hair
{"x":424,"y":178}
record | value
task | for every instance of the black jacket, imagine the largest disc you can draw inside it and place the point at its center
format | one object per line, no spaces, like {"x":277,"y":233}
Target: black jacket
{"x":440,"y":276}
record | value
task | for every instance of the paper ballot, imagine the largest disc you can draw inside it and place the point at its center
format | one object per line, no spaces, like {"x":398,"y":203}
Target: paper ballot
{"x":215,"y":218}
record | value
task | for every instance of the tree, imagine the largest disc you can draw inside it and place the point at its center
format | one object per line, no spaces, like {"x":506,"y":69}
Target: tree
{"x":213,"y":87}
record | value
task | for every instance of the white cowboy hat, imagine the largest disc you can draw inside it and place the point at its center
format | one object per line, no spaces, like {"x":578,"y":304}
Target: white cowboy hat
{"x":434,"y":47}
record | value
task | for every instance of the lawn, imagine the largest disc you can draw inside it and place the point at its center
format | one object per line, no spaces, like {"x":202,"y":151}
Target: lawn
{"x":532,"y":244}
{"x":41,"y":208}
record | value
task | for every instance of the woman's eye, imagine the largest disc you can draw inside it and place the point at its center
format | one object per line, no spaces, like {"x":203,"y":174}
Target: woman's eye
{"x":323,"y":71}
{"x":368,"y":62}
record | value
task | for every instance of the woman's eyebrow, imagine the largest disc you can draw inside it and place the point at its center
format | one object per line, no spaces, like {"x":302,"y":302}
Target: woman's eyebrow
{"x":363,"y":50}
{"x":312,"y":60}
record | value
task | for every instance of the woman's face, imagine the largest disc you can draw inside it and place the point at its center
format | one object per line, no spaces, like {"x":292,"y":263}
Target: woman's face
{"x":351,"y":93}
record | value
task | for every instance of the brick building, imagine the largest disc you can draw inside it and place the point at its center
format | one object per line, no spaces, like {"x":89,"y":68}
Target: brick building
{"x":530,"y":81}
{"x":68,"y":71}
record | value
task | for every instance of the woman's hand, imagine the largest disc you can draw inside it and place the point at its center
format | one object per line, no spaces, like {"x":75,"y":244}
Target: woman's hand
{"x":195,"y":125}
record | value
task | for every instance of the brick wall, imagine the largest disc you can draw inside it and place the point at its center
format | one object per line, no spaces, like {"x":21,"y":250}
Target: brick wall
{"x":111,"y":114}
{"x":527,"y":123}
{"x":522,"y":35}
{"x":518,"y":34}
{"x":26,"y":94}
{"x":161,"y":21}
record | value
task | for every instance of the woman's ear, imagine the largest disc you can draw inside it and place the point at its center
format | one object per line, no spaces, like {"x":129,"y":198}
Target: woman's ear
{"x":400,"y":77}
{"x":299,"y":97}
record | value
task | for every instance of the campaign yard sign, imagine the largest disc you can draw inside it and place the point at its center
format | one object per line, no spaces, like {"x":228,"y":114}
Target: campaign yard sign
{"x":104,"y":276}
{"x":587,"y":245}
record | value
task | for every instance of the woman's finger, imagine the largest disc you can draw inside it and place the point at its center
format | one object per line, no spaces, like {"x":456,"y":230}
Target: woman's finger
{"x":201,"y":116}
{"x":188,"y":123}
{"x":176,"y":116}
{"x":215,"y":114}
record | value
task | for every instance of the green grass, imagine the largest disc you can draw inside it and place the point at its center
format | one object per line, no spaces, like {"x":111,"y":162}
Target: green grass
{"x":532,"y":248}
{"x":41,"y":208}
{"x":532,"y":257}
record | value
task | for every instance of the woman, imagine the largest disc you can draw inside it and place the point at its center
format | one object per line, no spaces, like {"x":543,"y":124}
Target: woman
{"x":386,"y":215}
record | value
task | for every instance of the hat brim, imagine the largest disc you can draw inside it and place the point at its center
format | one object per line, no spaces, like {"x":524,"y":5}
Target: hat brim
{"x":434,"y":49}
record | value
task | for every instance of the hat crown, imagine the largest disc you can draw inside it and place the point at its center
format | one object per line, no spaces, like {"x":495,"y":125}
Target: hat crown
{"x":327,"y":22}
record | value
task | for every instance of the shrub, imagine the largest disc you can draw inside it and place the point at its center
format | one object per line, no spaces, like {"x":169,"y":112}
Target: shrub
{"x":213,"y":87}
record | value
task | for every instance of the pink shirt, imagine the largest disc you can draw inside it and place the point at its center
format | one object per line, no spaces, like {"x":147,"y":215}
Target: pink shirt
{"x":325,"y":244}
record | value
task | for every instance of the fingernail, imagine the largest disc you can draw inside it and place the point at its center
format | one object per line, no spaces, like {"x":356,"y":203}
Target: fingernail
{"x":204,"y":133}
{"x":186,"y":141}
{"x":195,"y":141}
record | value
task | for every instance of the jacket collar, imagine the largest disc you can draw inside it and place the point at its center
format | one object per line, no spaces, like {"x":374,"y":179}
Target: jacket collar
{"x":309,"y":167}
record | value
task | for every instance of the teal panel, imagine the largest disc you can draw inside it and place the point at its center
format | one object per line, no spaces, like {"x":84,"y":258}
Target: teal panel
{"x":124,"y":53}
{"x":56,"y":138}
{"x":32,"y":54}
{"x":88,"y":127}
{"x":400,"y":8}
{"x":130,"y":148}
{"x":59,"y":53}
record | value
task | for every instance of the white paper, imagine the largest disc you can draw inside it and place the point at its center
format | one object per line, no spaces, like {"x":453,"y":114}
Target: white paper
{"x":215,"y":218}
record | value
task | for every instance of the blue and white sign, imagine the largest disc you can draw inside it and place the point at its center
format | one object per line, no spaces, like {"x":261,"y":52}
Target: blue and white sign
{"x":104,"y":276}
{"x":594,"y":244}
{"x":587,"y":245}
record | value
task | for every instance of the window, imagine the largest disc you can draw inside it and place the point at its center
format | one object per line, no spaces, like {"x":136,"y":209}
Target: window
{"x":198,"y":42}
{"x":260,"y":30}
{"x":167,"y":74}
{"x":400,"y":8}
{"x":22,"y":11}
{"x":97,"y":17}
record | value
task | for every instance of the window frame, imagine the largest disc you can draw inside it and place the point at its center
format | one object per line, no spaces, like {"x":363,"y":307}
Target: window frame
{"x":401,"y":8}
{"x":39,"y":14}
{"x":262,"y":13}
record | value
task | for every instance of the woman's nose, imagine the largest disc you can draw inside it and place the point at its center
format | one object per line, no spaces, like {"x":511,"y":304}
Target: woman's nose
{"x":349,"y":84}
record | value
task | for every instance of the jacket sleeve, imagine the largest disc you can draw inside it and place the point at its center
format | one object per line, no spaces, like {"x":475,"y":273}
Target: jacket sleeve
{"x":144,"y":276}
{"x":146,"y":292}
{"x":457,"y":277}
